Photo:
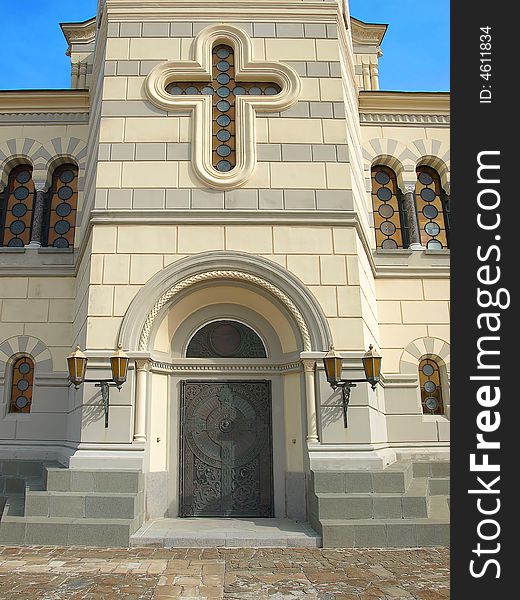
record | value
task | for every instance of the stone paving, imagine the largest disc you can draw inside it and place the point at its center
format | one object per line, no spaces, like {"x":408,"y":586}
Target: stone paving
{"x":51,"y":573}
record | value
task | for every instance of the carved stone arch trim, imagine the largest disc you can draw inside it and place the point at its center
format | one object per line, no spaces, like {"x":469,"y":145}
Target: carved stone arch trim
{"x":393,"y":163}
{"x":440,"y":166}
{"x":60,"y":151}
{"x":198,"y":68}
{"x":29,"y":346}
{"x":421,"y":347}
{"x":17,"y":152}
{"x":231,"y":266}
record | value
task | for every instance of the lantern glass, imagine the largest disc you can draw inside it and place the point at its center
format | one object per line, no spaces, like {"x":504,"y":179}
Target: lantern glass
{"x":77,"y":365}
{"x":332,"y":362}
{"x":119,"y":366}
{"x":372,"y":366}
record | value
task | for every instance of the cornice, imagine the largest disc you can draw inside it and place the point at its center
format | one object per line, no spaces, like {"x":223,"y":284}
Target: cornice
{"x":48,"y":102}
{"x":403,"y":119}
{"x":405,"y":103}
{"x":185,"y":367}
{"x":367,"y":33}
{"x":79,"y":33}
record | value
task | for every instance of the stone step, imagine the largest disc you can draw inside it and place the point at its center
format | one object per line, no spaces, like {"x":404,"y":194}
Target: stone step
{"x":81,"y":504}
{"x":70,"y":480}
{"x":22,"y":468}
{"x":439,"y":486}
{"x":433,"y":468}
{"x":414,"y":503}
{"x":394,"y":479}
{"x":60,"y":531}
{"x":384,"y":533}
{"x":13,"y":506}
{"x":11,"y":484}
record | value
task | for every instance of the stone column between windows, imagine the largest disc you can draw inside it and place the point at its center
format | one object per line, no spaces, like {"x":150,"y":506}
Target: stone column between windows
{"x":37,"y":222}
{"x":309,"y":366}
{"x":410,"y":209}
{"x":141,"y":385}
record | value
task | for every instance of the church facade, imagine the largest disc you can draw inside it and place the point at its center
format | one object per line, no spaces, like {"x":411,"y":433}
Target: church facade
{"x":224,"y":197}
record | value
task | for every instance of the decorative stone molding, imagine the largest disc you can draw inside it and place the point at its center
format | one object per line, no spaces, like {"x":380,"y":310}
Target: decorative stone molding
{"x":165,"y":367}
{"x":223,"y":275}
{"x":404,"y":119}
{"x":367,"y":33}
{"x":199,"y":69}
{"x":45,"y":117}
{"x":26,"y":344}
{"x":421,"y":347}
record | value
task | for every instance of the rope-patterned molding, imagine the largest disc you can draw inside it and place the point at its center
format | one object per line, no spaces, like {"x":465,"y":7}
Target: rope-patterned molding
{"x":233,"y":275}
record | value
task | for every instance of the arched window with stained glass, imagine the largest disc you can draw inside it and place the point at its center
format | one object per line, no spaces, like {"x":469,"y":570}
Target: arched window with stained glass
{"x":433,"y":208}
{"x":431,"y":387}
{"x":226,"y":339}
{"x":16,"y":208}
{"x":389,"y":218}
{"x":61,"y":207}
{"x":22,"y":385}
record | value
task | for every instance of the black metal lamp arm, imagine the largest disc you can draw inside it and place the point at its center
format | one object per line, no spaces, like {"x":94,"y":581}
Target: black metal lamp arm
{"x":346,"y":385}
{"x":105,"y":385}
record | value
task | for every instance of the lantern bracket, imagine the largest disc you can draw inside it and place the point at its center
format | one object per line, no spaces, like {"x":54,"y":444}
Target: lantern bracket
{"x":346,"y":386}
{"x":105,"y":385}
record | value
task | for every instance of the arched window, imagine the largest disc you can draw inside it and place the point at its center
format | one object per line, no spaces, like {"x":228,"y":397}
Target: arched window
{"x":62,"y":203}
{"x":226,"y":339}
{"x":22,"y":385}
{"x":389,"y":218}
{"x":432,"y":209}
{"x":16,"y":208}
{"x":431,"y":388}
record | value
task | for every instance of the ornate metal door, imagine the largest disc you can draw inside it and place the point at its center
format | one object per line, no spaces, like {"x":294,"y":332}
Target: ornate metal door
{"x":226,"y":457}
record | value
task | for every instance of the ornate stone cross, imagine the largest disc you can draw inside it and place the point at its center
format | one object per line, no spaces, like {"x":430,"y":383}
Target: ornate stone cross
{"x":222,"y":87}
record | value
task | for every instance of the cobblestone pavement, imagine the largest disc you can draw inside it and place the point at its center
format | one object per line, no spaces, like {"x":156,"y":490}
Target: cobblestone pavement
{"x":49,"y":573}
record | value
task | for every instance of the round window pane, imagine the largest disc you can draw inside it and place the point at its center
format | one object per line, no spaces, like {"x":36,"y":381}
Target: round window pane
{"x":63,"y":209}
{"x":271,"y":91}
{"x":17,"y":227}
{"x":255,"y":91}
{"x":386,"y":211}
{"x":223,"y":150}
{"x":61,"y":227}
{"x":23,"y":176}
{"x":388,"y":228}
{"x":223,"y":105}
{"x":239,"y":91}
{"x":225,"y":339}
{"x":222,"y":52}
{"x":425,"y":178}
{"x":19,"y":210}
{"x":207,"y":90}
{"x":22,"y":385}
{"x":430,"y":387}
{"x":223,"y":135}
{"x":60,"y":243}
{"x":224,"y":166}
{"x":66,"y":176}
{"x":223,"y":92}
{"x":65,"y":192}
{"x":223,"y":65}
{"x":223,"y":78}
{"x":432,"y":229}
{"x":15,"y":243}
{"x":384,"y":194}
{"x":24,"y":368}
{"x":431,"y":403}
{"x":21,"y":193}
{"x":428,"y":370}
{"x":21,"y":402}
{"x":223,"y":120}
{"x":192,"y":90}
{"x":382,"y":178}
{"x":430,"y":211}
{"x":428,"y":195}
{"x":434,"y":245}
{"x":389,"y":245}
{"x":175,"y":90}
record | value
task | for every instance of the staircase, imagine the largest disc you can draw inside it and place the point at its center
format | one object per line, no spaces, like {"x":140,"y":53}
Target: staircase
{"x":43,"y":503}
{"x":404,"y":505}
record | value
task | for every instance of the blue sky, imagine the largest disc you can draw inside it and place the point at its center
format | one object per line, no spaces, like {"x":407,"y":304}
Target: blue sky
{"x":415,"y":48}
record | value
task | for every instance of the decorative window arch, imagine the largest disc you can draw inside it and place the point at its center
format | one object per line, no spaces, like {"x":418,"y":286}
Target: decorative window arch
{"x":61,"y":207}
{"x":433,"y":208}
{"x":431,"y":387}
{"x":16,"y":208}
{"x":226,"y":339}
{"x":389,"y":218}
{"x":22,"y":381}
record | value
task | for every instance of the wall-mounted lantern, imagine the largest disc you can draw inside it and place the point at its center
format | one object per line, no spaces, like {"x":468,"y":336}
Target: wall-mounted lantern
{"x":77,"y":365}
{"x":333,"y":362}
